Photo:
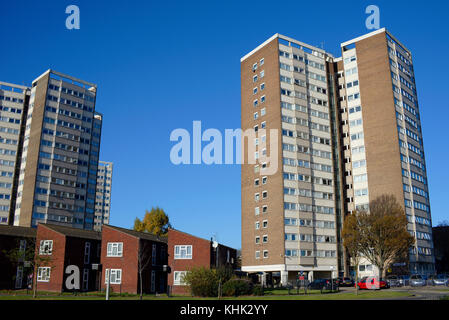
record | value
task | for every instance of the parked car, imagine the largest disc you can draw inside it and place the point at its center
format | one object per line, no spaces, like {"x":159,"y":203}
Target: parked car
{"x":323,"y":284}
{"x":441,"y":280}
{"x":394,"y":281}
{"x":404,"y":280}
{"x":372,"y":283}
{"x":345,"y":282}
{"x":417,"y":280}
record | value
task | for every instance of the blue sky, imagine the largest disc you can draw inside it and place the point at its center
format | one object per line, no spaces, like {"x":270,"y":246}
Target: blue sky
{"x":160,"y":65}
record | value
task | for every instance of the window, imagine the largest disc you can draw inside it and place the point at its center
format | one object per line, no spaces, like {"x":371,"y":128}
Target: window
{"x":257,"y":254}
{"x":264,"y":180}
{"x":43,"y":274}
{"x":256,"y":182}
{"x":262,"y":61}
{"x":262,"y":73}
{"x":265,"y":239}
{"x":153,"y":280}
{"x":265,"y":194}
{"x":85,"y":279}
{"x":183,"y":252}
{"x":86,"y":253}
{"x":114,"y":249}
{"x":256,"y":211}
{"x":264,"y":209}
{"x":115,"y":278}
{"x":265,"y":223}
{"x":265,"y":253}
{"x":46,"y":247}
{"x":257,"y":240}
{"x":153,"y":255}
{"x":257,"y":225}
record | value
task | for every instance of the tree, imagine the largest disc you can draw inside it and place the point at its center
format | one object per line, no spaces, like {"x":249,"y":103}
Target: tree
{"x":143,"y":259}
{"x":352,"y":243}
{"x":203,"y":282}
{"x":379,"y":235}
{"x":28,"y":254}
{"x":156,"y":222}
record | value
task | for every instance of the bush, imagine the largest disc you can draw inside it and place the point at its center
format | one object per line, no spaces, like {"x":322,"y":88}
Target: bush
{"x":203,"y":282}
{"x":237,"y":287}
{"x":258,"y":290}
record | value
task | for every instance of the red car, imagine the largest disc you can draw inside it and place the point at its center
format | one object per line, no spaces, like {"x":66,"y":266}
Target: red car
{"x":372,"y":283}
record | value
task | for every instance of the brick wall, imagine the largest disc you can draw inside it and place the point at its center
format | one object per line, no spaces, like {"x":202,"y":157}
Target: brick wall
{"x":56,"y":259}
{"x":201,"y":256}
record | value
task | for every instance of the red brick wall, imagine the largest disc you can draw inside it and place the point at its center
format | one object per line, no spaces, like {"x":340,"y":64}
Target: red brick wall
{"x":57,"y":259}
{"x":201,"y":256}
{"x":128,"y":262}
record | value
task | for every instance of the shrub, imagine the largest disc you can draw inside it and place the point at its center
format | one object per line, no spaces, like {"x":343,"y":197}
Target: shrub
{"x":258,"y":290}
{"x":237,"y":287}
{"x":203,"y":282}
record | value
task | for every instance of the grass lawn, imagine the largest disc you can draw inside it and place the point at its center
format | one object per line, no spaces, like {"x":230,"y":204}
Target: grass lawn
{"x":273,"y":295}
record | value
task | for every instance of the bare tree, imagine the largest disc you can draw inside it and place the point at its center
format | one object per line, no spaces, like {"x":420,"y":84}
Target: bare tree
{"x":30,"y":256}
{"x":144,"y":259}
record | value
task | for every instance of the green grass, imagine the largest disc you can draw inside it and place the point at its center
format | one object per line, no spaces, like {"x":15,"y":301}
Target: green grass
{"x":277,"y":294}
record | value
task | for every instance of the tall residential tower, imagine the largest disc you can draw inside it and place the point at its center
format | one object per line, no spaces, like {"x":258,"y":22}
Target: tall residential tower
{"x":59,"y":155}
{"x":349,"y":131}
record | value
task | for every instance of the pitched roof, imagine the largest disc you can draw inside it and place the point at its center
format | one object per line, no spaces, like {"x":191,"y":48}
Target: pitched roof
{"x":191,"y":235}
{"x":73,"y":232}
{"x":15,"y":231}
{"x":140,"y":235}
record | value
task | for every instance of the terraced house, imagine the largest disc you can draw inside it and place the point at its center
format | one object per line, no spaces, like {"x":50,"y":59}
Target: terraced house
{"x":349,"y":131}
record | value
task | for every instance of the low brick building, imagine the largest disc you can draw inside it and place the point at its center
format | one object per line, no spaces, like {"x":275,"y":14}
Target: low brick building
{"x":14,"y":241}
{"x":186,"y":251}
{"x":62,"y":247}
{"x":121,"y":251}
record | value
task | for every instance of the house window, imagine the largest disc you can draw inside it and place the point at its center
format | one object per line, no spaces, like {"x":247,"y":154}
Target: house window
{"x":85,"y":279}
{"x":46,"y":247}
{"x":153,"y":280}
{"x":19,"y":277}
{"x":115,"y":249}
{"x":43,"y":274}
{"x":257,"y":254}
{"x":153,"y":254}
{"x":183,"y":252}
{"x":87,"y":253}
{"x":257,"y":240}
{"x":264,"y":180}
{"x":265,"y":239}
{"x":264,"y":209}
{"x":178,"y":278}
{"x":116,"y":276}
{"x":256,"y":211}
{"x":265,"y":223}
{"x":262,"y":61}
{"x":265,"y":253}
{"x":257,"y":225}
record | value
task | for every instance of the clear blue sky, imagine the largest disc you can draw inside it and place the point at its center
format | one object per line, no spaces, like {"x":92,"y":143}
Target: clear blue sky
{"x":159,"y":65}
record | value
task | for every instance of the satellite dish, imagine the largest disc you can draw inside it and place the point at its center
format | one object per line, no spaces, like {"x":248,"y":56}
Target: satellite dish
{"x":215,"y":244}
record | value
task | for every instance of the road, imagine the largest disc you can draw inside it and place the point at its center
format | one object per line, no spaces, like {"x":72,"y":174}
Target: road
{"x":418,"y":293}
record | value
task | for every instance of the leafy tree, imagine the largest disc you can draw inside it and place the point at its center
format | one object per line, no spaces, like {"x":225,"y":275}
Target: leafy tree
{"x":156,"y":222}
{"x":379,"y":235}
